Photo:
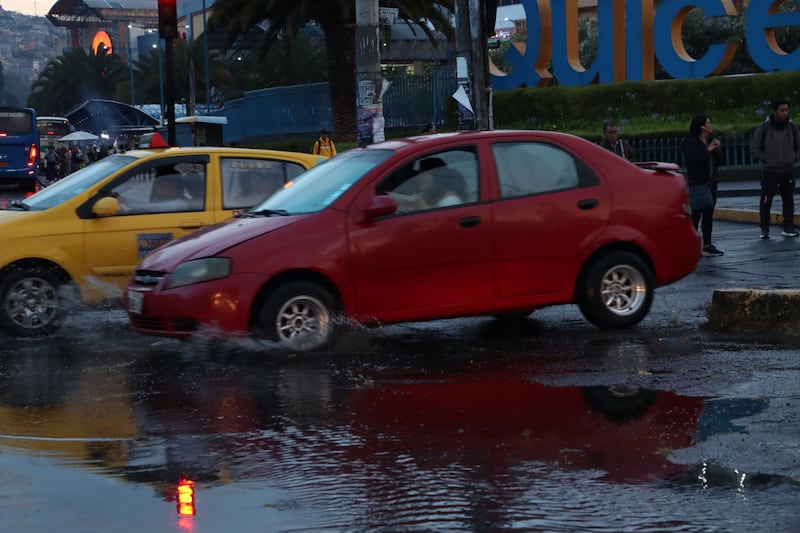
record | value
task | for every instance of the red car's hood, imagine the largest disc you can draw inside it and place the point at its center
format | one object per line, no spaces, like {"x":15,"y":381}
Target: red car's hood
{"x":212,"y":240}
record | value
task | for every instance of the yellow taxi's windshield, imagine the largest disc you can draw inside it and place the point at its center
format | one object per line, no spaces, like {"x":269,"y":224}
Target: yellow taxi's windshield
{"x":76,"y":183}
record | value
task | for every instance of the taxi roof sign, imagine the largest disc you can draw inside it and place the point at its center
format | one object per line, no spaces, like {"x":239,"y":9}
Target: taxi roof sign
{"x":153,"y":140}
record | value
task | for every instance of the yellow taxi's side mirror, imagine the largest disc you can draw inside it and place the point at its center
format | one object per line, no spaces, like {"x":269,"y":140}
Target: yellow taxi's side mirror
{"x":106,"y":207}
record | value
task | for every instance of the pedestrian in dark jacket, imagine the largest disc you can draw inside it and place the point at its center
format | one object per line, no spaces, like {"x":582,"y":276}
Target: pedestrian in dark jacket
{"x":701,"y":157}
{"x":613,"y":143}
{"x":51,"y":164}
{"x":776,"y":145}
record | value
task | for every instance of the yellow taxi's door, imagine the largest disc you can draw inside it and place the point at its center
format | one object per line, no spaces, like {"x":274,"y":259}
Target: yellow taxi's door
{"x":158,"y":201}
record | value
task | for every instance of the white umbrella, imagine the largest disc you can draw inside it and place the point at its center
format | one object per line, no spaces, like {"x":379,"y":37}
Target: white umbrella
{"x":79,"y":136}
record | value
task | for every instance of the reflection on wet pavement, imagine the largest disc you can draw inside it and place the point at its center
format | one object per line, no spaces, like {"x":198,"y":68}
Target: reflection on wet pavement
{"x":362,"y":442}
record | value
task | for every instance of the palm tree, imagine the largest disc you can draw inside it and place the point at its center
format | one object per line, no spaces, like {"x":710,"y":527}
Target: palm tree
{"x":285,"y":63}
{"x":74,"y":77}
{"x":188,"y":56}
{"x":337,"y":20}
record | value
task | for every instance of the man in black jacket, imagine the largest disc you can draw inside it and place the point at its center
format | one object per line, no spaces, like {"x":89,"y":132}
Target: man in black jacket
{"x":776,"y":145}
{"x":612,"y":142}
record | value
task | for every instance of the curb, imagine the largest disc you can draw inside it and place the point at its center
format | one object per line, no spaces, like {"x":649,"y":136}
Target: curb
{"x":755,"y":310}
{"x":750,"y":215}
{"x":775,"y":310}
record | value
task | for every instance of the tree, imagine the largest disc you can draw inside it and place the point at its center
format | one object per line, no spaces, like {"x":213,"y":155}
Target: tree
{"x":74,"y":77}
{"x":699,"y":31}
{"x":3,"y":96}
{"x":337,"y":20}
{"x":188,"y":56}
{"x":285,"y":63}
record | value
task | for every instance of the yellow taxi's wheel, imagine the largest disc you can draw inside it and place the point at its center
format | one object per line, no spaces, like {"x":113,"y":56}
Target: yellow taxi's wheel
{"x":31,"y":304}
{"x":299,"y":315}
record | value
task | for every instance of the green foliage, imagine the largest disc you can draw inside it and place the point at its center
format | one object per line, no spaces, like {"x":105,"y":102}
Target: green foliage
{"x":74,"y":77}
{"x":294,"y":61}
{"x":6,"y":98}
{"x":188,"y":57}
{"x":736,"y":103}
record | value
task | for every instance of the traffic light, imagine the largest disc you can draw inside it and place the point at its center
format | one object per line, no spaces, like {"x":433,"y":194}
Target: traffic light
{"x":167,"y":19}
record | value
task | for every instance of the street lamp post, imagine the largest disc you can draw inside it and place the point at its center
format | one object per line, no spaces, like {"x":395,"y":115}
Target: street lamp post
{"x":157,"y":46}
{"x":130,"y":64}
{"x":205,"y":54}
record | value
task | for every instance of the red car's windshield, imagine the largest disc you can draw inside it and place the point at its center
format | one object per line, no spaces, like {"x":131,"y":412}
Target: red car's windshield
{"x":320,"y":186}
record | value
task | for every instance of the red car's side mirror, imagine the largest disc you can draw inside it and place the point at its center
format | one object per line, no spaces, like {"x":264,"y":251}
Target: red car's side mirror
{"x":380,"y":206}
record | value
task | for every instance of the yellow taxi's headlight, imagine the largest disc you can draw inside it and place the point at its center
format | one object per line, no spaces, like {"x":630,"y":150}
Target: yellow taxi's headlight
{"x":198,"y":271}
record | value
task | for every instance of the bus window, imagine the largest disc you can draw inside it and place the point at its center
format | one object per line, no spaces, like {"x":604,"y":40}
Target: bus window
{"x":19,"y":148}
{"x":51,"y":129}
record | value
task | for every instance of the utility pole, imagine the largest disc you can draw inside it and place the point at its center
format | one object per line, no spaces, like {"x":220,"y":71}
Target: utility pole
{"x":368,"y":69}
{"x":472,"y":63}
{"x":168,"y":30}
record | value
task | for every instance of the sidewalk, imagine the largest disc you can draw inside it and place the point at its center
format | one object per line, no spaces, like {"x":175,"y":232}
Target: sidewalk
{"x":737,"y":201}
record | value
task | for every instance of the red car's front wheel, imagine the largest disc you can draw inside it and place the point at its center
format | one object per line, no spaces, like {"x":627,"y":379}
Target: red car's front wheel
{"x":299,"y":315}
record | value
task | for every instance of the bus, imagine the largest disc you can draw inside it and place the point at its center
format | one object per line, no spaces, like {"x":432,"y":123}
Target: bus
{"x":19,"y":153}
{"x":51,"y":129}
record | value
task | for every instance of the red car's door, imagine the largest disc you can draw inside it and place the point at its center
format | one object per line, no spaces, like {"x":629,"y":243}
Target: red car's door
{"x":552,"y":207}
{"x":428,"y":257}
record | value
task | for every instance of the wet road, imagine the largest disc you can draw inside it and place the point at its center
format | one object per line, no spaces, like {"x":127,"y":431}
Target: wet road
{"x":472,"y":425}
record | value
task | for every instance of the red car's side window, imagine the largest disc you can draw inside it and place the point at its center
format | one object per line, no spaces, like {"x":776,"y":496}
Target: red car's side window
{"x":525,"y":168}
{"x":437,"y":180}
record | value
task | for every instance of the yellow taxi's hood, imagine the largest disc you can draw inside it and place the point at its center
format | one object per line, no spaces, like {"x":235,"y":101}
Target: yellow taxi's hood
{"x":213,"y":240}
{"x":25,"y":224}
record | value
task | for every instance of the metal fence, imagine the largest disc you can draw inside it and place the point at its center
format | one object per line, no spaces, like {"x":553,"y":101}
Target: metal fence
{"x":735,"y":149}
{"x":410,"y":102}
{"x":298,"y":109}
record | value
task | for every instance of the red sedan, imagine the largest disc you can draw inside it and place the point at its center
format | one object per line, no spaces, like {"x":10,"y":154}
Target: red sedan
{"x":473,"y":223}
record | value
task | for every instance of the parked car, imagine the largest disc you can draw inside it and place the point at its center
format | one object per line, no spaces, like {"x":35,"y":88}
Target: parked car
{"x":472,"y":223}
{"x":89,"y":230}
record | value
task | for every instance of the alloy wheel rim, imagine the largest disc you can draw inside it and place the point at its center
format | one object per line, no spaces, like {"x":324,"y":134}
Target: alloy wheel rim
{"x":303,"y":321}
{"x":623,"y":290}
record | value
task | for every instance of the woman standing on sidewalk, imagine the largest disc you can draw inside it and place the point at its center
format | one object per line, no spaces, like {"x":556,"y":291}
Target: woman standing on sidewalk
{"x":702,"y":157}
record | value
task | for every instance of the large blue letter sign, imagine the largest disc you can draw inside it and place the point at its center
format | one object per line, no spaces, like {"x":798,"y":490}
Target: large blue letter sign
{"x":632,"y":35}
{"x":762,"y":19}
{"x":669,"y":44}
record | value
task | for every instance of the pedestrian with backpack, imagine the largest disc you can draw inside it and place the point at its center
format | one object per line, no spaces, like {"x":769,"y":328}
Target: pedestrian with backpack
{"x":324,"y":145}
{"x":776,"y":145}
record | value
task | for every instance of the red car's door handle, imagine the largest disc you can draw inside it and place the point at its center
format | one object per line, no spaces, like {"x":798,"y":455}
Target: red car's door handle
{"x":589,"y":203}
{"x":469,"y":222}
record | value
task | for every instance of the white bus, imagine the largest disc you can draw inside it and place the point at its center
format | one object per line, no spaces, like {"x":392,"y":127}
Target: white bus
{"x":51,"y":129}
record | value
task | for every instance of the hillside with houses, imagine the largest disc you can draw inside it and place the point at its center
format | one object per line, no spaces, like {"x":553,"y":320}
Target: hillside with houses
{"x":27,"y":43}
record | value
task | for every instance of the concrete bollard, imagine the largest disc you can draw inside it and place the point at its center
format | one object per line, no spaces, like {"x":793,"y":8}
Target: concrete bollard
{"x":769,"y":311}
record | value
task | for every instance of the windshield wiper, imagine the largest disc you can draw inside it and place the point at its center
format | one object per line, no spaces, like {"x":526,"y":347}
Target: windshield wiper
{"x":19,"y":203}
{"x":265,"y":213}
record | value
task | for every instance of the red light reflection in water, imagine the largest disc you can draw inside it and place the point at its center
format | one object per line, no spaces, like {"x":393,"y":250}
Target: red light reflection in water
{"x":185,"y":498}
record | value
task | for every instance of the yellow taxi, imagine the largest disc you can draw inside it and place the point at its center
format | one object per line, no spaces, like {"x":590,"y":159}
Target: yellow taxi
{"x":89,"y":230}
